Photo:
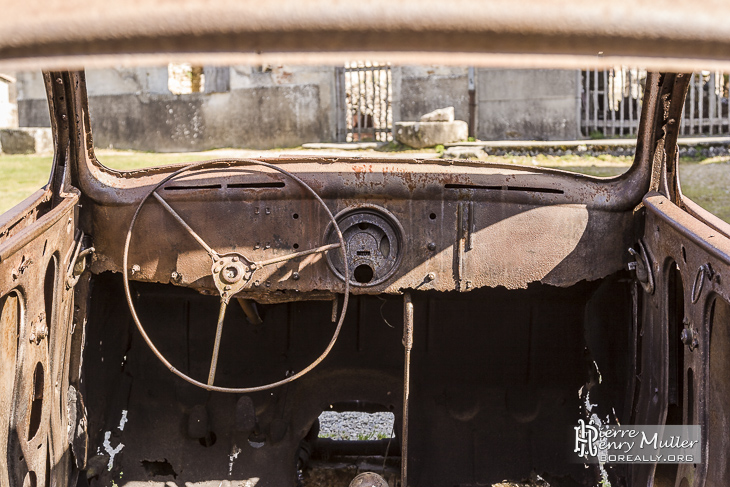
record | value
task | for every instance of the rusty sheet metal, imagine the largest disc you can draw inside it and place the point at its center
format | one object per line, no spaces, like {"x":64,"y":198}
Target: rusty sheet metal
{"x":529,"y":236}
{"x":570,"y":227}
{"x":24,"y":214}
{"x":678,"y":242}
{"x":35,"y":320}
{"x":55,"y":33}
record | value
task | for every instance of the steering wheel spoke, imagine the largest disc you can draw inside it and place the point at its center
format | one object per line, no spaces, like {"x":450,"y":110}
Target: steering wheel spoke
{"x":284,"y":258}
{"x":217,"y":343}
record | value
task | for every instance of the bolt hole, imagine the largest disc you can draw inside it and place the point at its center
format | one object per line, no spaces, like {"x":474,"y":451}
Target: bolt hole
{"x":208,"y":440}
{"x":295,"y":216}
{"x":363,"y":225}
{"x":432,"y":216}
{"x":363,"y":273}
{"x":684,"y":254}
{"x":296,"y":245}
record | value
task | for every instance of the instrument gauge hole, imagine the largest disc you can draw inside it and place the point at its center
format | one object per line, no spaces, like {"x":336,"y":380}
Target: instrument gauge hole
{"x":363,"y":273}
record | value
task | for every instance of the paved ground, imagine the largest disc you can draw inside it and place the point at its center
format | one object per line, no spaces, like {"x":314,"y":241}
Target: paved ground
{"x":355,"y":425}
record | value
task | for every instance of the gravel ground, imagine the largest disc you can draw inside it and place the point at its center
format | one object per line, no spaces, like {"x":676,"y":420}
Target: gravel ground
{"x":355,"y":425}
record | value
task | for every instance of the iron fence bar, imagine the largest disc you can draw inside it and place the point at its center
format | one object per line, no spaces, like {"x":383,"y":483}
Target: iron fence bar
{"x":586,"y":102}
{"x":690,"y":105}
{"x":700,"y":111}
{"x":379,"y":97}
{"x":693,"y":87}
{"x":724,"y":86}
{"x":629,"y":100}
{"x":713,"y":102}
{"x":604,"y":113}
{"x":595,"y":99}
{"x":613,"y":101}
{"x":622,"y":102}
{"x":387,"y":99}
{"x":372,"y":84}
{"x":359,"y":107}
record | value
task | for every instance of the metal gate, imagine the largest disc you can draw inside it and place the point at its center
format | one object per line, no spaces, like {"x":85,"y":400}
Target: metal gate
{"x":611,"y":103}
{"x":364,"y":98}
{"x":706,"y":106}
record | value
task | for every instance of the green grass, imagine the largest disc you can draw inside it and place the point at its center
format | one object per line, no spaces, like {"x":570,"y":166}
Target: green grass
{"x":20,"y":176}
{"x":705,"y":181}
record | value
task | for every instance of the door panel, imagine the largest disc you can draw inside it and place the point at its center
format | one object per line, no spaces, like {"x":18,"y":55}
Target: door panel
{"x":36,"y":248}
{"x":685,"y":329}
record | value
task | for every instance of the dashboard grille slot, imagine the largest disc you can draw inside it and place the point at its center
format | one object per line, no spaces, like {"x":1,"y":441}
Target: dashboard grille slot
{"x":277,"y":184}
{"x":505,"y":188}
{"x":192,"y":187}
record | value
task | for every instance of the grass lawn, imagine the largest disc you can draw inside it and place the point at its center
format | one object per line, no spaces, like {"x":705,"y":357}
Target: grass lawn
{"x":706,"y":181}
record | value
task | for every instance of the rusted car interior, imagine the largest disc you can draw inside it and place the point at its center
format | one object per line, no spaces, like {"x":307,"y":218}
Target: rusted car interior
{"x":187,"y":325}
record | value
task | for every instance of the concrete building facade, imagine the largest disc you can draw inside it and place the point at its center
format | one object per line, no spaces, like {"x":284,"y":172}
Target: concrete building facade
{"x":286,"y":106}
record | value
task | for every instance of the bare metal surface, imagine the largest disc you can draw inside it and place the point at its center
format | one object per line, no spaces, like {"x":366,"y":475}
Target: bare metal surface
{"x":172,"y":212}
{"x":664,"y":32}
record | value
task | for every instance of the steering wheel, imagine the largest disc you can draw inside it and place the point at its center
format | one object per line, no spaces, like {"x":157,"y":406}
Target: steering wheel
{"x":232,"y":272}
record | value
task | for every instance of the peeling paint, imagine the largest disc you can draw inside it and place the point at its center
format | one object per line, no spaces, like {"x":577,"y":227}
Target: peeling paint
{"x":598,"y":371}
{"x":112,"y":452}
{"x":235,"y":451}
{"x":123,"y":421}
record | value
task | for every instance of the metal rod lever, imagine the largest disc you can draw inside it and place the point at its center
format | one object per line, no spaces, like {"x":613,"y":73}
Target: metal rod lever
{"x":408,"y":344}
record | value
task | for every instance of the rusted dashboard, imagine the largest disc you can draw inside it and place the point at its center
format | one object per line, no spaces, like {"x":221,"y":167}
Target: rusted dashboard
{"x":408,"y":224}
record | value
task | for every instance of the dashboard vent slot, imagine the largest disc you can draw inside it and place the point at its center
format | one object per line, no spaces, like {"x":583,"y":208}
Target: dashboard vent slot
{"x":505,"y":188}
{"x":277,"y":184}
{"x":193,"y":187}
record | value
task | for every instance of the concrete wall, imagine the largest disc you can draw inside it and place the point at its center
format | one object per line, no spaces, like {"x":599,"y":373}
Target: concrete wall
{"x":422,"y":89}
{"x":265,"y":107}
{"x":528,"y":104}
{"x":32,"y":102}
{"x":285,"y":106}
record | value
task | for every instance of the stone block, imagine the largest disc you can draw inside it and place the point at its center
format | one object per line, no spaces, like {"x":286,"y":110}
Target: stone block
{"x":439,"y":115}
{"x":428,"y":134}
